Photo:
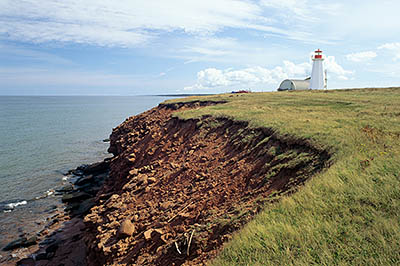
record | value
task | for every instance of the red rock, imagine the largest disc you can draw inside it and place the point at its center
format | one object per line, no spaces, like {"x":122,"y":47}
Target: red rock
{"x":147,"y":234}
{"x":166,"y":205}
{"x":126,"y":229}
{"x":142,"y":179}
{"x":134,"y":172}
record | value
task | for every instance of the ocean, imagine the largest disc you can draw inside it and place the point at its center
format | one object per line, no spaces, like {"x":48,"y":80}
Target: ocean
{"x":41,"y":138}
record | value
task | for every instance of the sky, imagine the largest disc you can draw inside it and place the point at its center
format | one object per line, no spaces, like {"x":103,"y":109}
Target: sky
{"x":145,"y":47}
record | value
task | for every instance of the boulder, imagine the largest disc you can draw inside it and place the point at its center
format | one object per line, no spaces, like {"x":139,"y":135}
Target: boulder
{"x":153,"y":234}
{"x":83,"y":208}
{"x":41,"y":256}
{"x":166,"y":205}
{"x":51,"y":250}
{"x":151,"y":180}
{"x":14,"y":244}
{"x":142,"y":179}
{"x":76,"y":196}
{"x":126,"y":229}
{"x":21,"y":242}
{"x":147,"y":234}
{"x":26,"y":262}
{"x":134,"y":172}
{"x":99,"y":167}
{"x":67,"y":188}
{"x":88,"y":179}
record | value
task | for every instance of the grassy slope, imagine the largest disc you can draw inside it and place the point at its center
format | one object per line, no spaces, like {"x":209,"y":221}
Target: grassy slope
{"x":348,"y":214}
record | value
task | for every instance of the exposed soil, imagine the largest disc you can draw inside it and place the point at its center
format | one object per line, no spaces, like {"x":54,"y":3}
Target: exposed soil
{"x":181,"y":188}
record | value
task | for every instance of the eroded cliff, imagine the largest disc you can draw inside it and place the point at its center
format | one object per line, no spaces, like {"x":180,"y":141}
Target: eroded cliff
{"x":178,"y":189}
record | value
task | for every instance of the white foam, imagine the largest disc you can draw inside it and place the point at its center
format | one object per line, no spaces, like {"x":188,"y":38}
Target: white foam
{"x":15,"y":204}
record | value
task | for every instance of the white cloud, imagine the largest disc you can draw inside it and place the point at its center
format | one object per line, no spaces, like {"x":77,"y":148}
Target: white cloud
{"x":300,"y":8}
{"x":231,"y":51}
{"x":361,"y":56}
{"x":40,"y":32}
{"x":296,"y":70}
{"x":257,"y":76}
{"x":333,"y":67}
{"x":262,"y":78}
{"x":130,"y":23}
{"x":393,"y":48}
{"x":124,"y":22}
{"x":390,"y":46}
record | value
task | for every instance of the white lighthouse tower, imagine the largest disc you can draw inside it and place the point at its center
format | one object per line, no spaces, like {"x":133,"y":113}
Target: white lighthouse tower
{"x":317,"y":73}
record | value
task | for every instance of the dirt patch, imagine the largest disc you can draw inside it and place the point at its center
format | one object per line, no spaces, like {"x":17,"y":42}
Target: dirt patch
{"x":186,"y":186}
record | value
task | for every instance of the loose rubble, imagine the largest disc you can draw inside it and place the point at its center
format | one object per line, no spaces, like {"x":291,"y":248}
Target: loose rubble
{"x":174,"y":190}
{"x":186,"y":186}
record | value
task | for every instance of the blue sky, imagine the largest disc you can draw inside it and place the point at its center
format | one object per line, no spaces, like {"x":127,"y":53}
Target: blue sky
{"x":132,"y":47}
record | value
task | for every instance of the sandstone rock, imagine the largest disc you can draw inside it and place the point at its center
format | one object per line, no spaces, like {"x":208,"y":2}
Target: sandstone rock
{"x":134,"y":172}
{"x":84,"y":180}
{"x":26,"y":262}
{"x":97,"y":167}
{"x":174,"y":165}
{"x":203,"y":159}
{"x":166,"y":205}
{"x":147,"y":234}
{"x":22,"y":242}
{"x":153,"y":234}
{"x":52,"y":248}
{"x":41,"y":256}
{"x":84,"y":207}
{"x":151,"y":180}
{"x":128,"y":186}
{"x":126,"y":229}
{"x":67,"y":188}
{"x":76,"y":196}
{"x":143,"y":179}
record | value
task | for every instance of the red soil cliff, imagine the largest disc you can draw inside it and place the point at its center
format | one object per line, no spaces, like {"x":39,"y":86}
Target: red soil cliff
{"x":179,"y":189}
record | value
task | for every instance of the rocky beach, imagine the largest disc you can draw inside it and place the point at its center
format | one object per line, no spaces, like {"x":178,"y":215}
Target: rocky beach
{"x":174,"y":191}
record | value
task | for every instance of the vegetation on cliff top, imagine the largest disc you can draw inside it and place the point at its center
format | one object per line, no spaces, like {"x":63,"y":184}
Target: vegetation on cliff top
{"x":348,"y":214}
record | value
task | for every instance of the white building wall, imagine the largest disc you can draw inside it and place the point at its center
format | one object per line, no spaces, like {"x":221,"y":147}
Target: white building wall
{"x":317,"y":75}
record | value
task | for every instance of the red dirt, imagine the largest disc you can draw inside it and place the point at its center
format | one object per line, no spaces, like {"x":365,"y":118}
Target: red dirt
{"x":188,"y":185}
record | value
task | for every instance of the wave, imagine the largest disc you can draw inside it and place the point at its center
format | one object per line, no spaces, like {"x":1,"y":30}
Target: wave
{"x":10,"y":205}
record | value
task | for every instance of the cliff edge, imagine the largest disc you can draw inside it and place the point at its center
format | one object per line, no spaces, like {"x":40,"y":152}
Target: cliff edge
{"x":178,"y":189}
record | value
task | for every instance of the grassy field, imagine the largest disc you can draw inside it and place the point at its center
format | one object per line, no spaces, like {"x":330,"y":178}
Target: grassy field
{"x":347,"y":214}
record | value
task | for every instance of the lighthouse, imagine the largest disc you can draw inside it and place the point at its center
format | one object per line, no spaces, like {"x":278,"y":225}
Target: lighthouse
{"x":317,"y":73}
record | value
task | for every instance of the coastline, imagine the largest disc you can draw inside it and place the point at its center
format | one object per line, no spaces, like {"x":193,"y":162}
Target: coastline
{"x":181,"y":187}
{"x":56,"y":134}
{"x":64,"y":227}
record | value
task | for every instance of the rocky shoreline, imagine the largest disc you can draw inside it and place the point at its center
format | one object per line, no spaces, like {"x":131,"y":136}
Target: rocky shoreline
{"x":174,"y":191}
{"x":61,"y":239}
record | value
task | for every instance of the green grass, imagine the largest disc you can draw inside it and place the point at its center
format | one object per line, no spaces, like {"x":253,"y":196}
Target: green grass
{"x":347,"y":214}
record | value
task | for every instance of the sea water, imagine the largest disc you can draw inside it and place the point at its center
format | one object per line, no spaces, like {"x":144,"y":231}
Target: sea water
{"x":41,"y":138}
